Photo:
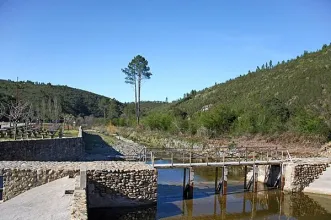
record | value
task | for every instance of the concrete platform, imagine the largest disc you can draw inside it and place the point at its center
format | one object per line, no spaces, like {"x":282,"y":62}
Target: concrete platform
{"x":322,"y":185}
{"x":43,"y":202}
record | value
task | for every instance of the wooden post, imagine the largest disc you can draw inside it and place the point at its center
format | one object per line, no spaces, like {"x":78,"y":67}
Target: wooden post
{"x":225,"y":180}
{"x":216,"y":180}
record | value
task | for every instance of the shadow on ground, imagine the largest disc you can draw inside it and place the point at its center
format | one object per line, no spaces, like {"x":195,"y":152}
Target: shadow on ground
{"x":98,"y":149}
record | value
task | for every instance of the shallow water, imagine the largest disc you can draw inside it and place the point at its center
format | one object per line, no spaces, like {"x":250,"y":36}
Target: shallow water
{"x":237,"y":204}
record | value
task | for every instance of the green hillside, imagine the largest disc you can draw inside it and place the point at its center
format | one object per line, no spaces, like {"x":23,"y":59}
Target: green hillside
{"x":293,"y":95}
{"x":72,"y":101}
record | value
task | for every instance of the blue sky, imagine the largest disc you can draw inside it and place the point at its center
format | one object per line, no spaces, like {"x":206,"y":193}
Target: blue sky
{"x":189,"y":44}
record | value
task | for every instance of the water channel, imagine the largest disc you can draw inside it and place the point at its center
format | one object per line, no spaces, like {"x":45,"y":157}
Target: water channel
{"x":237,"y":204}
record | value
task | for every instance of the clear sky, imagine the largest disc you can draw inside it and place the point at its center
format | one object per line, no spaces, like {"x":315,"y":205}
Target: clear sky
{"x":190,"y":44}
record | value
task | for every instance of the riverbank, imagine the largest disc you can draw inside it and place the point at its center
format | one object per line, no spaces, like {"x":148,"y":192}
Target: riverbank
{"x":297,"y":146}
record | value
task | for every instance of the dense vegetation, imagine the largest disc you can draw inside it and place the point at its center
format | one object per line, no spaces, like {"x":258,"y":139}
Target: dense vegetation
{"x":291,"y":96}
{"x":69,"y":100}
{"x":48,"y":100}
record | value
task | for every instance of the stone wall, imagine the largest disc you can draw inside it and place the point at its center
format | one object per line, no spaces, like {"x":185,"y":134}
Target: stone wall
{"x":107,"y":188}
{"x":299,"y":176}
{"x":59,"y":149}
{"x":109,"y":183}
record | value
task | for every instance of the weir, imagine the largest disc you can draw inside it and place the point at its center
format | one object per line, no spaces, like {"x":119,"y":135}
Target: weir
{"x":223,"y":158}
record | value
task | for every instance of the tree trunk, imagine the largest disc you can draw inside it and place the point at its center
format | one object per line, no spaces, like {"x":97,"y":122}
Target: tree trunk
{"x":135,"y":101}
{"x":15,"y":129}
{"x":139,"y":86}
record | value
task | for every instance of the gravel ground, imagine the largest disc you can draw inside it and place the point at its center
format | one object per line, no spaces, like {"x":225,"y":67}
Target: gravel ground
{"x":101,"y":150}
{"x":44,"y":202}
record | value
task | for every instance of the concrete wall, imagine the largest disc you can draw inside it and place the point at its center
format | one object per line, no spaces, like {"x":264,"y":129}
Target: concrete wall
{"x":60,"y":149}
{"x":265,"y":174}
{"x":109,"y":183}
{"x":297,"y":176}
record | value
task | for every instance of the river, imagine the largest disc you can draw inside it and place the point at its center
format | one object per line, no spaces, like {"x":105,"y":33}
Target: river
{"x":205,"y":205}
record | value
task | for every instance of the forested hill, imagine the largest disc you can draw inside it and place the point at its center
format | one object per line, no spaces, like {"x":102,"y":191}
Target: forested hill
{"x":293,"y":95}
{"x":303,"y":82}
{"x":71,"y":101}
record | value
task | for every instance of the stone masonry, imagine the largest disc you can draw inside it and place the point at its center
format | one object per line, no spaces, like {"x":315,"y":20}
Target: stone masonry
{"x":59,"y":149}
{"x":299,"y":176}
{"x":109,"y":183}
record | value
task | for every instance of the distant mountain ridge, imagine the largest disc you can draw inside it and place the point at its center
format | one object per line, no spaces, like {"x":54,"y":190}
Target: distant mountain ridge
{"x":73,"y":101}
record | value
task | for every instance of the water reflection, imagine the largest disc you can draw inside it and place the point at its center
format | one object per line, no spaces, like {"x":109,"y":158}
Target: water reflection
{"x":265,"y":204}
{"x":206,"y":206}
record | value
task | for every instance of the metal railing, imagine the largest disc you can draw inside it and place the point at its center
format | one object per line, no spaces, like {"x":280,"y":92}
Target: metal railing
{"x":220,"y":155}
